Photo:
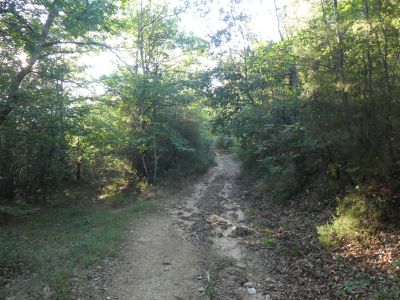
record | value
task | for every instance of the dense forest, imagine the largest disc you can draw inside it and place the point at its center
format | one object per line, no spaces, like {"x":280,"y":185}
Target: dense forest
{"x":314,"y":113}
{"x":146,"y":122}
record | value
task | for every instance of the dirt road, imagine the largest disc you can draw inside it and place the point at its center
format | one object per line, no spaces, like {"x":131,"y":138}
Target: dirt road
{"x":193,"y":247}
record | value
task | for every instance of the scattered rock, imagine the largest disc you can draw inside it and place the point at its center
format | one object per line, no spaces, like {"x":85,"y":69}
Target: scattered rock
{"x":249,"y":284}
{"x":241,"y":231}
{"x":47,"y":293}
{"x":252,"y":291}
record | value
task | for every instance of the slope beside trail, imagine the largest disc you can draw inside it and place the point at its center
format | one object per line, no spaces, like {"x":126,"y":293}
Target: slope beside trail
{"x":193,"y":247}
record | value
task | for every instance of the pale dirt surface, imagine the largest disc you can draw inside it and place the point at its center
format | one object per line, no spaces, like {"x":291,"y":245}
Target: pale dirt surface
{"x":196,"y":239}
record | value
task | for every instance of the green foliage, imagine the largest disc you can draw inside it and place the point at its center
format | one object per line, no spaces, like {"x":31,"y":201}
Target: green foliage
{"x":155,"y":94}
{"x":355,"y":217}
{"x":146,"y":124}
{"x":268,"y":242}
{"x":210,"y":291}
{"x":325,"y":96}
{"x":286,"y":184}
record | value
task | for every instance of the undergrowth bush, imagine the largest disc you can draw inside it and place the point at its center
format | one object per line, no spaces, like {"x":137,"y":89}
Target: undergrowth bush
{"x":356,"y":216}
{"x":286,"y":183}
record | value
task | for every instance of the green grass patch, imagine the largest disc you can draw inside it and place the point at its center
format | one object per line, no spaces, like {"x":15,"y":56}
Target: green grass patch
{"x":355,"y":217}
{"x":48,"y":249}
{"x":210,"y":290}
{"x":268,"y":242}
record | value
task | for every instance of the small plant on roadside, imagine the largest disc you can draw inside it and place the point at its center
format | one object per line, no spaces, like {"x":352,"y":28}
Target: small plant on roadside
{"x":268,"y":242}
{"x":210,"y":291}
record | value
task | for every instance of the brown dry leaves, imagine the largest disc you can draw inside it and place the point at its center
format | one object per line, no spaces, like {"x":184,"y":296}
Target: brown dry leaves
{"x":306,"y":270}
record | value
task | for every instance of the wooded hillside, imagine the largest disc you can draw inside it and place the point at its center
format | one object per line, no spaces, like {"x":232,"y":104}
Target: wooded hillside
{"x":313,"y":117}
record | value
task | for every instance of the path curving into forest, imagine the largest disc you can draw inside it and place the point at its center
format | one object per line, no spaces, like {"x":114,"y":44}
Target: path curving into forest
{"x":192,"y":247}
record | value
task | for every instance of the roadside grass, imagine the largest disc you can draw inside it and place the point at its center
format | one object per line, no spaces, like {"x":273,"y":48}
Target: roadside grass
{"x":42,"y":254}
{"x":268,"y":242}
{"x":210,"y":290}
{"x":357,"y":218}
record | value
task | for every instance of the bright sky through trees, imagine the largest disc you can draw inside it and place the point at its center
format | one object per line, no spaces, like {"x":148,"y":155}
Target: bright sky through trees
{"x":263,"y":24}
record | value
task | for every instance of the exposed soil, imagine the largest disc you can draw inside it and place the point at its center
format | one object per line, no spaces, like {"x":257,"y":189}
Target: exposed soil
{"x":216,"y":240}
{"x":194,"y":247}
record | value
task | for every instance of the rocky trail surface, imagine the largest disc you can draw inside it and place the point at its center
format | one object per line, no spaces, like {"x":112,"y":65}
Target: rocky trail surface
{"x":196,"y":246}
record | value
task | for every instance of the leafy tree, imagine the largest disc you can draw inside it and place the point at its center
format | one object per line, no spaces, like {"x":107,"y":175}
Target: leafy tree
{"x":156,"y":86}
{"x":33,"y":107}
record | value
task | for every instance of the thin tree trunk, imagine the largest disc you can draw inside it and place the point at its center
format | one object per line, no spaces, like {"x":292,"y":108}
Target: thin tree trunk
{"x":340,"y":58}
{"x":371,"y":125}
{"x":13,"y":93}
{"x":145,"y":166}
{"x":155,"y":159}
{"x":279,"y":21}
{"x":383,"y":53}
